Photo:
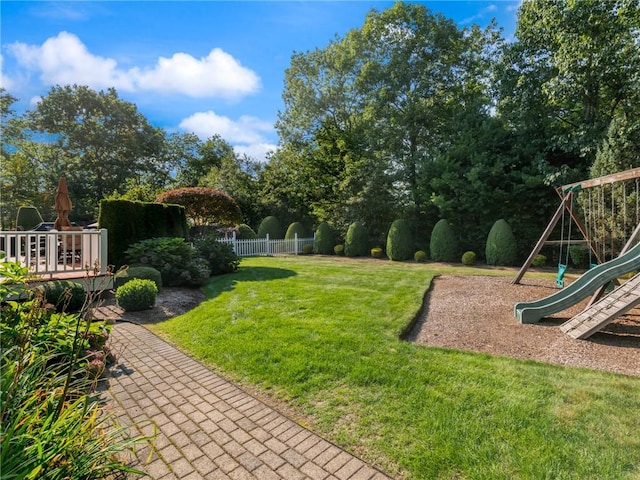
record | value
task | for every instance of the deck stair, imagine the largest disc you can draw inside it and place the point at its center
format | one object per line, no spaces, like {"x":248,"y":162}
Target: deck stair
{"x":603,"y":312}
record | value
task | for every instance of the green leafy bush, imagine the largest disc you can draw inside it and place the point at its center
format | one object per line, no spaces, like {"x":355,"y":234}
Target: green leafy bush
{"x":376,"y":252}
{"x":539,"y":260}
{"x":270,"y":225}
{"x":196,"y":273}
{"x":444,"y":244}
{"x":245,"y":232}
{"x":420,"y":256}
{"x":338,"y":249}
{"x":296,"y":228}
{"x":356,"y":242}
{"x":64,"y":295}
{"x":325,"y":239}
{"x":50,"y":426}
{"x":137,"y":294}
{"x":307,"y":249}
{"x":469,"y":258}
{"x":171,"y":256}
{"x":219,"y":256}
{"x":501,"y":248}
{"x":579,"y":255}
{"x":400,"y":241}
{"x":148,"y":273}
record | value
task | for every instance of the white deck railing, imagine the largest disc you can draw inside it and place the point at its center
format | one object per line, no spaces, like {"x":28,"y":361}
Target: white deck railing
{"x":52,"y":252}
{"x":266,"y":246}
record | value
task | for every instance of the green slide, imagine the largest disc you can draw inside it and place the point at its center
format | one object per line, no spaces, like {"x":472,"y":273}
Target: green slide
{"x":585,"y":285}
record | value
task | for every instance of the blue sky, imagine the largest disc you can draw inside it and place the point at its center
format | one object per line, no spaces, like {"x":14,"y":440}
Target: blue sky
{"x":208,"y":67}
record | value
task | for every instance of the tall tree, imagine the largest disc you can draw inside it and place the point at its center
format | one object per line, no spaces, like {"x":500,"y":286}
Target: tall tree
{"x":421,"y":73}
{"x":574,"y":66}
{"x":102,"y":141}
{"x":241,"y":178}
{"x":200,"y":157}
{"x":366,"y":115}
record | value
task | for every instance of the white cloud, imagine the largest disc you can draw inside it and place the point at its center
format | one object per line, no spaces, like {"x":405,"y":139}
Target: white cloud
{"x":64,"y":60}
{"x":247,"y":134}
{"x":5,"y":82}
{"x":245,"y":130}
{"x":217,"y":73}
{"x":256,"y":151}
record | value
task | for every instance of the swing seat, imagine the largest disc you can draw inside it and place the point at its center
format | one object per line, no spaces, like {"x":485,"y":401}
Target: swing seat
{"x":560,"y":280}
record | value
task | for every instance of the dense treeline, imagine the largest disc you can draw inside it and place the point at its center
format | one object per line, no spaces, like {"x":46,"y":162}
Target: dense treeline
{"x":409,"y":116}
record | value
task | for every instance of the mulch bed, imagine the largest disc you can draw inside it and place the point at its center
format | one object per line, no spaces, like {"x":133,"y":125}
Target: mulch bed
{"x":475,"y":313}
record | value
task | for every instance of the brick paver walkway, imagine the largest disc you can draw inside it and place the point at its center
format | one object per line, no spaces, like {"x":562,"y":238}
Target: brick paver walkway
{"x":206,"y":427}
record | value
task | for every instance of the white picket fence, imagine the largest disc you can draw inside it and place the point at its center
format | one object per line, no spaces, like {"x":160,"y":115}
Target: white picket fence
{"x":266,"y":246}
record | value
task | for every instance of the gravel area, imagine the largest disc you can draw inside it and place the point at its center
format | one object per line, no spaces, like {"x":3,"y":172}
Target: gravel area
{"x":475,"y":313}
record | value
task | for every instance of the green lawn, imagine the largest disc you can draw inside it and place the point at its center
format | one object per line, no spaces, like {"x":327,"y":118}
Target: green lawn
{"x":322,"y":334}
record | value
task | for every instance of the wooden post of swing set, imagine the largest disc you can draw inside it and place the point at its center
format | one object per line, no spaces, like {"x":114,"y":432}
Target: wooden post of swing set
{"x":566,"y":193}
{"x":545,"y":235}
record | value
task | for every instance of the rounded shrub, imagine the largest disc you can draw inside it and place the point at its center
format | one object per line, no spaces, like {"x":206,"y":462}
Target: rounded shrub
{"x":296,"y":228}
{"x":307,"y":249}
{"x":501,"y":248}
{"x":420,"y":256}
{"x":444,"y":244}
{"x":376,"y":252}
{"x":469,"y":258}
{"x":245,"y":232}
{"x":64,"y":295}
{"x":270,"y":225}
{"x":338,"y":249}
{"x":137,"y":294}
{"x":356,"y":243}
{"x":400,"y":241}
{"x":325,"y":240}
{"x":539,"y":260}
{"x":579,"y":255}
{"x":147,"y":273}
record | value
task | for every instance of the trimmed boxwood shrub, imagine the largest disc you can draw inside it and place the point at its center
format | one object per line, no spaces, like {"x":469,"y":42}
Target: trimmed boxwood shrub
{"x":270,"y":225}
{"x":295,"y":228}
{"x":245,"y":232}
{"x":137,"y":294}
{"x":420,"y":256}
{"x":64,"y":295}
{"x":376,"y":252}
{"x":579,"y":255}
{"x":501,"y":248}
{"x":469,"y":258}
{"x":307,"y":249}
{"x":400,"y":241}
{"x":325,"y":240}
{"x":356,"y":242}
{"x":147,"y":273}
{"x":444,"y":244}
{"x":338,"y":249}
{"x":539,"y":260}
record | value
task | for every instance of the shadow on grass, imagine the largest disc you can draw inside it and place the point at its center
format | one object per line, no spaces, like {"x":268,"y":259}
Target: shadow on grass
{"x":226,"y":283}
